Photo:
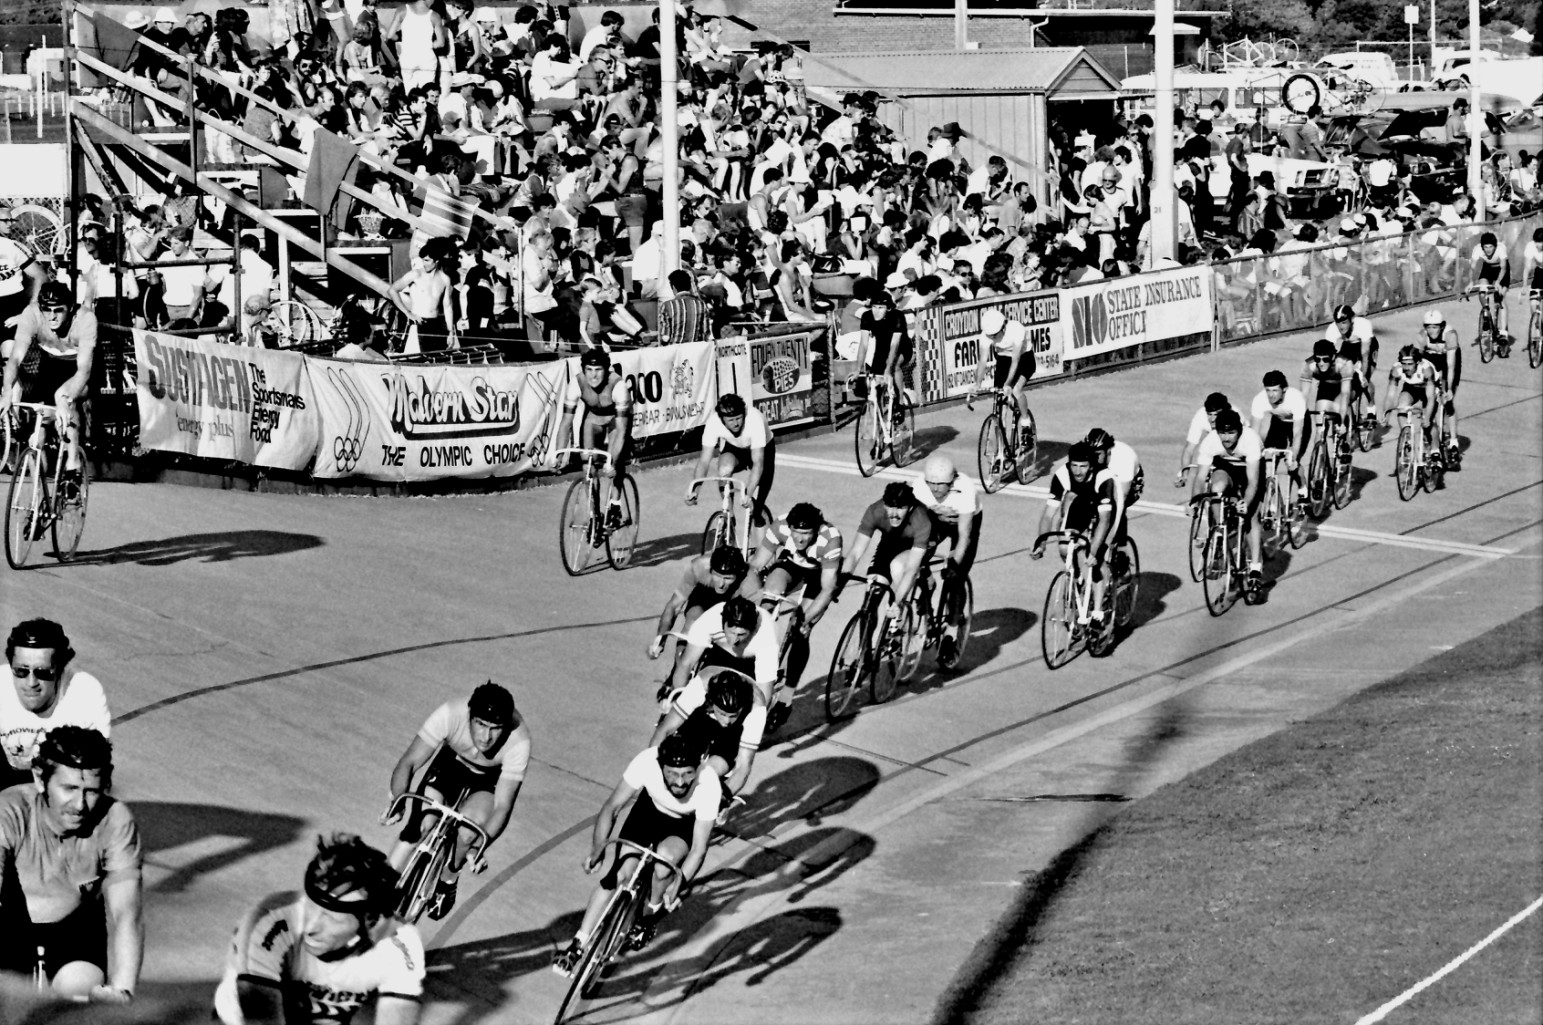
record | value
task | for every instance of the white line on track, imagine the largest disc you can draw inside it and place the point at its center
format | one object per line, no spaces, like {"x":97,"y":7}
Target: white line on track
{"x":1451,"y":966}
{"x":1178,"y":511}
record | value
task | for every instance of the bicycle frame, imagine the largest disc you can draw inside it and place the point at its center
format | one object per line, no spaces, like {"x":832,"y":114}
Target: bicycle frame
{"x":733,"y":529}
{"x":1227,"y":540}
{"x":434,"y":848}
{"x":35,"y":501}
{"x":579,"y":536}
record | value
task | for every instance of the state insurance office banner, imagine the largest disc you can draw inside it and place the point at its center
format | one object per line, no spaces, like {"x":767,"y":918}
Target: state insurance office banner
{"x":224,"y":402}
{"x":1119,"y":313}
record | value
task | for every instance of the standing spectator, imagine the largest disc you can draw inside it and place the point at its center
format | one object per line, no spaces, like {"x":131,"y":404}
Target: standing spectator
{"x":685,"y":316}
{"x":71,"y":856}
{"x":48,"y":692}
{"x":182,"y":287}
{"x":421,"y":33}
{"x":1236,"y":154}
{"x":426,"y":296}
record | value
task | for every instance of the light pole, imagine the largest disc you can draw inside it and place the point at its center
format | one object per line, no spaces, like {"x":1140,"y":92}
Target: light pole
{"x":1161,"y":193}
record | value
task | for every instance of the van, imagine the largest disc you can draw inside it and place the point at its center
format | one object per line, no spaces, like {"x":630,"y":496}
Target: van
{"x":1373,"y":68}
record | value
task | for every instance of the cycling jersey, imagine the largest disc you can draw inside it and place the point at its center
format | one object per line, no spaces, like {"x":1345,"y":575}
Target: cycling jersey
{"x":79,"y":701}
{"x":269,"y":950}
{"x":717,"y":739}
{"x":962,"y":499}
{"x":50,"y":360}
{"x":450,"y":724}
{"x":55,"y":874}
{"x":701,"y":802}
{"x":14,"y":260}
{"x":759,"y":659}
{"x":891,"y":330}
{"x":1083,"y":500}
{"x":823,"y":553}
{"x":913,"y":533}
{"x":600,"y":403}
{"x":1494,"y":269}
{"x":747,"y":733}
{"x":752,"y":435}
{"x":1248,"y":451}
{"x":1125,"y":466}
{"x":1414,"y":384}
{"x":1354,"y":346}
{"x":1292,"y":410}
{"x":1533,"y":256}
{"x":1328,"y":380}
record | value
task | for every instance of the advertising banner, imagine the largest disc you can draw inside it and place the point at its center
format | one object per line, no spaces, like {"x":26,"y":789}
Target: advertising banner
{"x":774,"y":373}
{"x":672,"y":386}
{"x":960,"y":344}
{"x":224,"y":401}
{"x":405,"y":422}
{"x":1123,"y":312}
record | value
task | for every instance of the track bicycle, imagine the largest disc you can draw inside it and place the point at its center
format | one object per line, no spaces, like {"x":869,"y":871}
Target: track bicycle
{"x":1001,"y":458}
{"x":1363,"y":428}
{"x":13,"y":428}
{"x":616,"y":921}
{"x":1197,"y":527}
{"x":421,"y":874}
{"x":586,"y":525}
{"x":41,"y":499}
{"x":1328,"y":465}
{"x":1225,"y":574}
{"x":1068,"y":623}
{"x":923,"y":626}
{"x":729,"y":526}
{"x":868,"y":651}
{"x":1414,"y":463}
{"x":1535,"y":328}
{"x":1488,"y":338}
{"x":879,"y":433}
{"x":1283,"y":520}
{"x":291,"y":324}
{"x":787,"y":612}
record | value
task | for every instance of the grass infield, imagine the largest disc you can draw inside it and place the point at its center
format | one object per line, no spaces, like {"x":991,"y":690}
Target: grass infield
{"x":1308,"y":877}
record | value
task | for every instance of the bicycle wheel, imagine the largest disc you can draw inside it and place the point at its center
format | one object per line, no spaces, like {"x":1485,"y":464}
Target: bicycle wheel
{"x":623,"y":538}
{"x":846,"y":669}
{"x":1026,"y":451}
{"x":10,"y":442}
{"x":573,"y":532}
{"x":1271,"y":520}
{"x":1344,"y":475}
{"x":901,"y":452}
{"x":1435,"y":471}
{"x":1296,"y":521}
{"x":1318,"y":493}
{"x":1535,"y":339}
{"x":1197,"y":533}
{"x":1404,"y":463}
{"x":960,"y":632}
{"x":710,"y":535}
{"x":1056,"y":625}
{"x":1365,"y":430}
{"x":883,"y":673}
{"x":296,"y":323}
{"x":69,"y":521}
{"x":865,"y":437}
{"x":990,"y":454}
{"x":1101,"y":631}
{"x":912,"y":624}
{"x":586,"y":972}
{"x":1486,"y":337}
{"x":1217,"y":582}
{"x":609,"y":940}
{"x":421,"y":879}
{"x":1129,"y":583}
{"x":24,"y":509}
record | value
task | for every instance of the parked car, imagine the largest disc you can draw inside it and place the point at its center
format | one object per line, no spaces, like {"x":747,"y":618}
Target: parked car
{"x":1524,"y":131}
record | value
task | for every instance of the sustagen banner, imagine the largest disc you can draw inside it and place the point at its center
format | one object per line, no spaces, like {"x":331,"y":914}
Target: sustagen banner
{"x":414,"y":422}
{"x":1121,"y":312}
{"x":960,"y":339}
{"x":224,"y":401}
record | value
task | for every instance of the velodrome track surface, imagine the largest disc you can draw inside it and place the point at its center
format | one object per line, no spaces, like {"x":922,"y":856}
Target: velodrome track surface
{"x":269,"y":657}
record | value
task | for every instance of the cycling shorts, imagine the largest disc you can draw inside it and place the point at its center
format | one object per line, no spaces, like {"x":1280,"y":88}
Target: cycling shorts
{"x":647,"y":826}
{"x":1279,"y":434}
{"x":801,"y":579}
{"x":1497,"y":274}
{"x":454,"y":780}
{"x":79,"y":936}
{"x":999,"y":378}
{"x":1237,"y":476}
{"x":47,"y":379}
{"x":741,"y":457}
{"x":1328,"y":391}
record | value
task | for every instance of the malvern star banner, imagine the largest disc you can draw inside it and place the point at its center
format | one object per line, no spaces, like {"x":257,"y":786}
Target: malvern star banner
{"x":409,"y":422}
{"x":224,"y":401}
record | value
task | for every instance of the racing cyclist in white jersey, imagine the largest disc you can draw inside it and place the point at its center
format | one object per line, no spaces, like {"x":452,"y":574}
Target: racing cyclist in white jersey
{"x":742,"y":439}
{"x":315,"y":958}
{"x":1005,"y":344}
{"x":1130,"y":480}
{"x":50,"y":362}
{"x":1280,"y":411}
{"x":1201,"y":424}
{"x":1356,"y":342}
{"x":678,"y":796}
{"x":799,"y":557}
{"x":1082,"y":500}
{"x":476,"y":752}
{"x":952,"y":499}
{"x":1490,"y":264}
{"x":1414,"y":383}
{"x":1229,"y":459}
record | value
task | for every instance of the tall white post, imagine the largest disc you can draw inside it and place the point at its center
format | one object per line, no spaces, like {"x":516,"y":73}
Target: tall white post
{"x":1161,"y":192}
{"x":669,"y":94}
{"x":1475,"y":113}
{"x":961,"y":24}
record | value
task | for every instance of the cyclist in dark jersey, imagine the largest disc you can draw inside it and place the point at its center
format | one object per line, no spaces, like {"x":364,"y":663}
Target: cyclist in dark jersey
{"x":1443,"y":352}
{"x":708,"y":580}
{"x":607,"y":421}
{"x":1082,"y":499}
{"x":50,"y":362}
{"x":904,"y":528}
{"x":720,"y":715}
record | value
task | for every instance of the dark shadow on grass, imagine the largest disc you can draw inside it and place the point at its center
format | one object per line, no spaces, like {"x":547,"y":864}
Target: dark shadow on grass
{"x":167,"y":827}
{"x":224,"y":547}
{"x":1012,"y":937}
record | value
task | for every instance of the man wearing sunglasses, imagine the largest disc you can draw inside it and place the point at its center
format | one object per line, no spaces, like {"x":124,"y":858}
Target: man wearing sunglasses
{"x":1325,"y":380}
{"x":46,"y":693}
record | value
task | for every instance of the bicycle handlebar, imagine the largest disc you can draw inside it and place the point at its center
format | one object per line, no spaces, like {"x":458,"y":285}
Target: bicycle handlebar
{"x":590,"y":452}
{"x":479,"y":842}
{"x":648,"y":854}
{"x":1075,"y":537}
{"x":732,"y":482}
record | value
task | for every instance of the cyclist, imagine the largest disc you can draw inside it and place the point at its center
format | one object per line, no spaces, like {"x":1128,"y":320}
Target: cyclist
{"x":707,"y":581}
{"x":476,"y":752}
{"x":50,"y":358}
{"x":799,"y":555}
{"x":904,"y":529}
{"x":1532,"y":266}
{"x":316,"y":957}
{"x":1201,"y":424}
{"x":1489,"y":263}
{"x":1444,"y":353}
{"x":49,"y":692}
{"x":1129,"y":478}
{"x":1082,"y":499}
{"x":723,"y":717}
{"x":737,"y":634}
{"x":745,"y":440}
{"x":678,"y":798}
{"x":952,"y":501}
{"x":1357,"y":342}
{"x":606,"y":422}
{"x":1233,"y":454}
{"x":1324,"y":374}
{"x":884,"y":346}
{"x":1413,"y":382}
{"x":71,"y":904}
{"x":1006,"y":342}
{"x":1281,"y":412}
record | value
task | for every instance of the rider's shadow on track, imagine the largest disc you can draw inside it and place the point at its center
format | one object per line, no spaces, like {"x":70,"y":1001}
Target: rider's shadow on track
{"x":223,"y":547}
{"x":808,"y":791}
{"x":655,"y":551}
{"x":475,"y":973}
{"x":1151,"y":589}
{"x":167,"y":828}
{"x":1360,"y":477}
{"x":928,"y":440}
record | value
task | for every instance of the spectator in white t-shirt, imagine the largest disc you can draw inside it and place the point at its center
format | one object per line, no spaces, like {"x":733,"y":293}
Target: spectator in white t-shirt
{"x":46,"y":692}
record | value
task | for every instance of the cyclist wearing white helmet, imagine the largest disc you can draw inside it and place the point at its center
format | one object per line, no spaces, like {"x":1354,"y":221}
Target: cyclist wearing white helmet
{"x":1443,"y":353}
{"x":952,"y":499}
{"x":1006,"y":343}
